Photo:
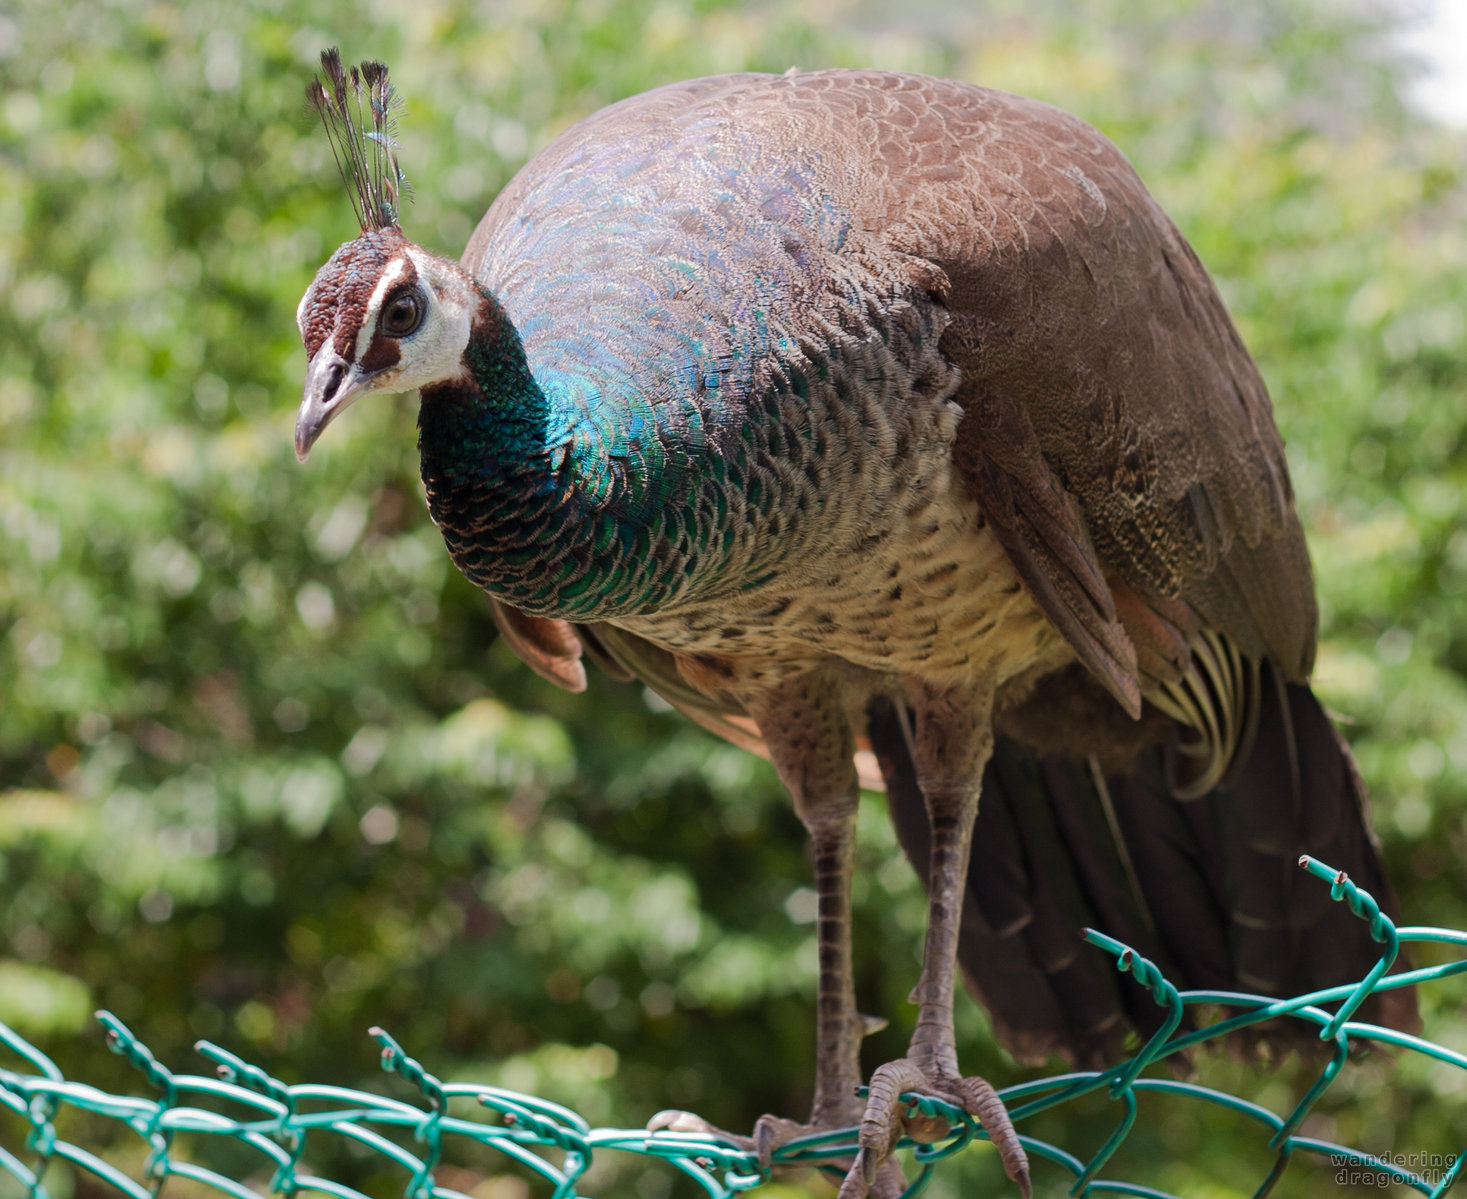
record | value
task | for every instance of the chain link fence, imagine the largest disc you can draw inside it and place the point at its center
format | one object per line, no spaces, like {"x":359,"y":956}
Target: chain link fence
{"x":188,"y":1114}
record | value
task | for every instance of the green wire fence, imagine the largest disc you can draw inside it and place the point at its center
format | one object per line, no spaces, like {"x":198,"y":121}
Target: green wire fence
{"x":246,"y":1105}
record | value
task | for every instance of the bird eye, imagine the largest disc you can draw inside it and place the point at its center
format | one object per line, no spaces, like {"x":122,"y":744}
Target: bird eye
{"x":403,"y":314}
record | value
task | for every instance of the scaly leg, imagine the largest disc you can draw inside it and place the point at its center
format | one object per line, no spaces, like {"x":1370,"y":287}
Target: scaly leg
{"x":954,"y":739}
{"x":812,"y":748}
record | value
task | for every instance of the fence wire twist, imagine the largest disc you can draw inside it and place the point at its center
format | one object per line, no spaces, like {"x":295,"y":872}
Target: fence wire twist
{"x":560,"y":1146}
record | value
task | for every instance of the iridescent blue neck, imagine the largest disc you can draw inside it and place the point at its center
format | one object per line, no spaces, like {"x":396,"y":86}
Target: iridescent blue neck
{"x":555,"y":494}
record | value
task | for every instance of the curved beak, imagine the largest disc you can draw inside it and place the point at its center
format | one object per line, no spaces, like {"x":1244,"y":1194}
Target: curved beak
{"x":332,"y":384}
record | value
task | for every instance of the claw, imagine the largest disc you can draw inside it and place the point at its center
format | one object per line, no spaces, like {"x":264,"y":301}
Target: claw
{"x":877,"y":1179}
{"x":770,"y":1132}
{"x":858,"y":1180}
{"x":764,"y":1142}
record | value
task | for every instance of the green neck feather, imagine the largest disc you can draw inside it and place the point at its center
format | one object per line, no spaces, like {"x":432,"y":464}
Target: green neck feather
{"x":564,"y":498}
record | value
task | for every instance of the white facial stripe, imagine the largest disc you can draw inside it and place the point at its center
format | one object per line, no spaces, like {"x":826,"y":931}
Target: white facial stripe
{"x":390,"y":276}
{"x":423,"y":262}
{"x":300,"y":310}
{"x":435,"y":354}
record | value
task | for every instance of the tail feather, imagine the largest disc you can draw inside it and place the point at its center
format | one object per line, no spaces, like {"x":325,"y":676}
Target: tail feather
{"x":1176,"y":852}
{"x":1209,"y":888}
{"x":1083,"y":981}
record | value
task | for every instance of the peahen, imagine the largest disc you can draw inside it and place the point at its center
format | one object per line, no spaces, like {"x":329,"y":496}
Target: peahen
{"x":853,"y":408}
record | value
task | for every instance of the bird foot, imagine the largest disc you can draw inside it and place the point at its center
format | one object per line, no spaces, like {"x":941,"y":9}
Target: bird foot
{"x":886,"y":1120}
{"x":771,"y":1132}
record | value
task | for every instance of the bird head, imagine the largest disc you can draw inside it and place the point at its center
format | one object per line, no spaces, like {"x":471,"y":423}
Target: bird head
{"x":382,"y":314}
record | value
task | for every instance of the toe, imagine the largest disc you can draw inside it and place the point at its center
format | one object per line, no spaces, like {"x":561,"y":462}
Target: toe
{"x":770,"y":1132}
{"x":881,"y":1128}
{"x":881,"y":1125}
{"x":673,"y":1120}
{"x":982,"y":1102}
{"x":890,"y":1182}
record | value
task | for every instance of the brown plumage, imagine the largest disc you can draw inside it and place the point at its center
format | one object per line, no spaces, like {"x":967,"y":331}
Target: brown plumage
{"x":959,"y":471}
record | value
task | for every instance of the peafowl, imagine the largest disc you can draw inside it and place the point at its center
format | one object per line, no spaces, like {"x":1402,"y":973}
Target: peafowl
{"x":857,"y":410}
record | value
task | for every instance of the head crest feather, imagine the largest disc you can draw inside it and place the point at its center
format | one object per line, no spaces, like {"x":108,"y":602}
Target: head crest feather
{"x":366,"y":154}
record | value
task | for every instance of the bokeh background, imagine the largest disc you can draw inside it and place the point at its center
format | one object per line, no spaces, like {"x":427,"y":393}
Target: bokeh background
{"x":265,"y":776}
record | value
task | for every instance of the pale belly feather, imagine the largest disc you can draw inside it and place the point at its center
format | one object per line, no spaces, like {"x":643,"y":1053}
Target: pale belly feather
{"x":934,"y":597}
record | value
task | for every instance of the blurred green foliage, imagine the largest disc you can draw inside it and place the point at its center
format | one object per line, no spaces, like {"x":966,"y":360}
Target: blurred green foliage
{"x":265,"y":778}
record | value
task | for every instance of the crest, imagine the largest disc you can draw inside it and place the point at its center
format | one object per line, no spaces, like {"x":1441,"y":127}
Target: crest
{"x":357,"y":108}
